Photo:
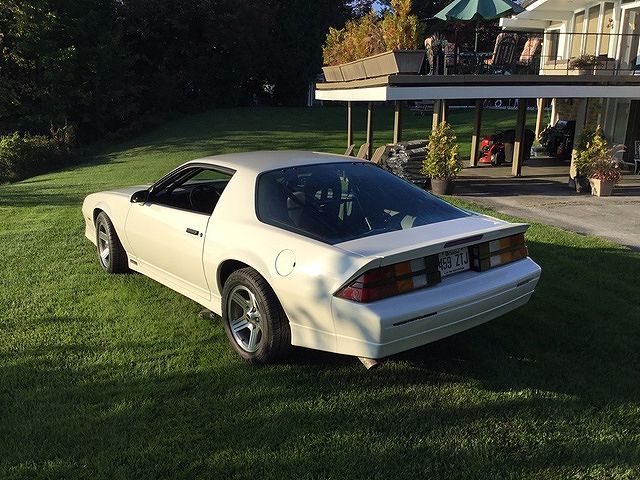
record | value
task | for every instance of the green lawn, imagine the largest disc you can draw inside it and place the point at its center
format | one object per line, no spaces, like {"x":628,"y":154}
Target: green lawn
{"x":117,"y":377}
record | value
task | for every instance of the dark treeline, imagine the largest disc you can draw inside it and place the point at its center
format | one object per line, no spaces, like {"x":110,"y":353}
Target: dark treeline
{"x":105,"y":66}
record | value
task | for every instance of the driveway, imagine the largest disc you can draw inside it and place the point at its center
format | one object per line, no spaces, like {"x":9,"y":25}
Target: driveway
{"x":541,"y":194}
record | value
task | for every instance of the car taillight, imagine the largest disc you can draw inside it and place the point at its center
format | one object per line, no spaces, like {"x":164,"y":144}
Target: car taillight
{"x":392,"y":280}
{"x":498,"y":252}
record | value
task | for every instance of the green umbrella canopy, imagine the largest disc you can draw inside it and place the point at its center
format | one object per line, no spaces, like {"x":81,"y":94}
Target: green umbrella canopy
{"x":478,"y":9}
{"x":465,"y":10}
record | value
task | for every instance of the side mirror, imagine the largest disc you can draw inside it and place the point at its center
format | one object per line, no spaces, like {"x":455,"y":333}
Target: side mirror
{"x":141,"y":196}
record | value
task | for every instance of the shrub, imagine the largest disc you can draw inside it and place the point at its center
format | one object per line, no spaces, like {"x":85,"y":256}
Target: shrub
{"x":370,"y":35}
{"x":596,"y":159}
{"x":442,"y":161}
{"x":25,"y":155}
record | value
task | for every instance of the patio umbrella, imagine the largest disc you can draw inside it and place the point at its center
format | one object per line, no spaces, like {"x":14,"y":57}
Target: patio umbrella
{"x":466,"y":10}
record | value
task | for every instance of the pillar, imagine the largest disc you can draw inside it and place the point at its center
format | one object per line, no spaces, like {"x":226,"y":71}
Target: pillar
{"x":475,"y":135}
{"x":444,"y":114}
{"x":540,"y":116}
{"x":369,"y":130}
{"x":554,"y":111}
{"x":397,"y":122}
{"x":581,"y":118}
{"x":518,"y":146}
{"x":349,"y":124}
{"x":437,"y":111}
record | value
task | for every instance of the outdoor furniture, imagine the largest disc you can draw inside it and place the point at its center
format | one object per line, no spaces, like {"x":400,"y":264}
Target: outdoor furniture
{"x":529,"y":55}
{"x":349,"y":151}
{"x":380,"y":153}
{"x":504,"y":54}
{"x":362,"y":151}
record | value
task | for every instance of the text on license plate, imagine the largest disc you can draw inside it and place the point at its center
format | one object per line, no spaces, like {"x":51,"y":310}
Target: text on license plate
{"x":453,"y":261}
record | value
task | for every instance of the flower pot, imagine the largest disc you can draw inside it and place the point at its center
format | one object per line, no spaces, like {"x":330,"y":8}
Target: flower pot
{"x":441,"y":186}
{"x":332,"y":73}
{"x":601,"y":188}
{"x":394,"y":61}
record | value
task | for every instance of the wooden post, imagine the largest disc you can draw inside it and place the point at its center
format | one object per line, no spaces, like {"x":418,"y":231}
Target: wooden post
{"x":540,"y":116}
{"x":581,"y":118}
{"x":349,"y":124}
{"x":437,"y":109}
{"x":369,"y":129}
{"x":444,"y":115}
{"x":518,"y":147}
{"x":554,"y":111}
{"x":475,"y":135}
{"x":397,"y":122}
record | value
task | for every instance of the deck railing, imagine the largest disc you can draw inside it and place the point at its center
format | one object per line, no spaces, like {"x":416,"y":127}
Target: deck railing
{"x":542,"y":53}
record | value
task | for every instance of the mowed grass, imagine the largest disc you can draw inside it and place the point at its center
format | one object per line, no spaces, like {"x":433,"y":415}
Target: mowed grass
{"x":117,"y":377}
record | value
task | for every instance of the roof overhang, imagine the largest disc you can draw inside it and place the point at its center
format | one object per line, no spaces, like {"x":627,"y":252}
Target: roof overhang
{"x":426,"y":87}
{"x":540,"y":14}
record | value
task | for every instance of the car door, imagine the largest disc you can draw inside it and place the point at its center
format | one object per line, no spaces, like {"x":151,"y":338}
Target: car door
{"x":166,"y":233}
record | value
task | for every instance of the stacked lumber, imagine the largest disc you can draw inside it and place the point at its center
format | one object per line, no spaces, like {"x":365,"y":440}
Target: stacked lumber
{"x":405,"y":159}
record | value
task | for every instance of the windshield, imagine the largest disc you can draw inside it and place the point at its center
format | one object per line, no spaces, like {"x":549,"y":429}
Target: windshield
{"x":337,"y":202}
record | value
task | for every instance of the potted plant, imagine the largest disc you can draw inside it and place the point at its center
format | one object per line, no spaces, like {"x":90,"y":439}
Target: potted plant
{"x":441,"y":163}
{"x":584,"y":64}
{"x":373,"y":46}
{"x":597,"y":161}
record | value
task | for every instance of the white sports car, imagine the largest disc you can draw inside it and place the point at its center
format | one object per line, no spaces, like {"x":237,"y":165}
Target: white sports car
{"x":316,"y":250}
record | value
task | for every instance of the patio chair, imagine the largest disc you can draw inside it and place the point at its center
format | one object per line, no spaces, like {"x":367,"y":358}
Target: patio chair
{"x":504,"y":53}
{"x":363,"y":150}
{"x":529,"y":55}
{"x":349,"y":151}
{"x":380,"y":153}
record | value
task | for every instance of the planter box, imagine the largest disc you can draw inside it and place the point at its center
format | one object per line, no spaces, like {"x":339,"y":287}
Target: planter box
{"x":601,"y":188}
{"x":394,"y":61}
{"x":353,"y":70}
{"x":386,"y":63}
{"x":332,"y":74}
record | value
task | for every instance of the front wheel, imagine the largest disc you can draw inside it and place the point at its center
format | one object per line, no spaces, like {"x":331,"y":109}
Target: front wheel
{"x":111,"y":253}
{"x":253,"y":318}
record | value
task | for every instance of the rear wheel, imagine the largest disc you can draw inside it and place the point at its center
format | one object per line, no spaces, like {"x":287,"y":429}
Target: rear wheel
{"x":253,"y":318}
{"x":111,"y":254}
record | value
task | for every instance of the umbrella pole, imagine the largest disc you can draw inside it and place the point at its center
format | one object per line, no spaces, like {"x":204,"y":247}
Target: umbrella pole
{"x":477,"y":29}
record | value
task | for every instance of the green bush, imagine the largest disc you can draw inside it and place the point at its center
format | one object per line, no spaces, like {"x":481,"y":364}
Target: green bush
{"x":442,"y":160}
{"x":25,"y":155}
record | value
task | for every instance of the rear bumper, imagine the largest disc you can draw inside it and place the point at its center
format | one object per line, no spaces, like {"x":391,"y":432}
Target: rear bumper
{"x":460,"y":302}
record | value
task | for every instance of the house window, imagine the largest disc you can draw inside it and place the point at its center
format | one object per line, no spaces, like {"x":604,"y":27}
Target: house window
{"x":553,"y":40}
{"x":578,"y":28}
{"x":607,"y":41}
{"x":592,"y":30}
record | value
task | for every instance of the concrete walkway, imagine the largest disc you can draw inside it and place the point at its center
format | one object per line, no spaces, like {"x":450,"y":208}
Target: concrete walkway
{"x":541,"y":194}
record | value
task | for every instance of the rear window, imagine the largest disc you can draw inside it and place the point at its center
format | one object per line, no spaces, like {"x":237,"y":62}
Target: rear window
{"x":338,"y":202}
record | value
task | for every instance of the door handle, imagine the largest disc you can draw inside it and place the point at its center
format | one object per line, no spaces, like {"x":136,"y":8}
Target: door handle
{"x":192,"y":231}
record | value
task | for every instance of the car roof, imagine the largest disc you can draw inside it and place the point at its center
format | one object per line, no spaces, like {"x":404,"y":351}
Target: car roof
{"x":263,"y":161}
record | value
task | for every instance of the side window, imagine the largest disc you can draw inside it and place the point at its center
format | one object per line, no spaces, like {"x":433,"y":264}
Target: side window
{"x":196,"y":189}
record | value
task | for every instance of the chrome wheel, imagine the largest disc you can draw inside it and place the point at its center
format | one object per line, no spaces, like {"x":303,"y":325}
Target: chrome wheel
{"x":103,"y":245}
{"x":244,"y":318}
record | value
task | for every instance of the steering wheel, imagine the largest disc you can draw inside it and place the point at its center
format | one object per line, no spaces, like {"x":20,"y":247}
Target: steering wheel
{"x":200,"y":197}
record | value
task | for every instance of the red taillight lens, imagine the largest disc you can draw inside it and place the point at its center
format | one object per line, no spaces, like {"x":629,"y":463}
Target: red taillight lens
{"x":498,"y":252}
{"x":392,"y":280}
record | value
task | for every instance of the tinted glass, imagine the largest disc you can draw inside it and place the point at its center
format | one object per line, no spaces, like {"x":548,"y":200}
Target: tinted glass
{"x":337,"y":202}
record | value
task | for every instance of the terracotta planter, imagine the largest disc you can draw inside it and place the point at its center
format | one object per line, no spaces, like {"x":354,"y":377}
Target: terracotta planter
{"x":333,"y":73}
{"x":441,"y":186}
{"x":601,"y":188}
{"x":394,"y":61}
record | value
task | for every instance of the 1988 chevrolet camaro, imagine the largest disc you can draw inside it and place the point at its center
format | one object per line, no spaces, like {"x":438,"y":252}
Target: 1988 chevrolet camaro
{"x":316,"y":250}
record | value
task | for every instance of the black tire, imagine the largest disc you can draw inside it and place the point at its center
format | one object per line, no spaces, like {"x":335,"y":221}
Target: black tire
{"x":262,"y":314}
{"x":111,"y":254}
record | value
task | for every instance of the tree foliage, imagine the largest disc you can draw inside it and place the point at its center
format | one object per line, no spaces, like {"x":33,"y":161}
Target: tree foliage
{"x":108,"y":66}
{"x":396,"y":28}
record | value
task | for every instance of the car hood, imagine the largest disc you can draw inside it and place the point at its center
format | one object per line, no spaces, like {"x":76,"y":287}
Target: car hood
{"x":128,"y":191}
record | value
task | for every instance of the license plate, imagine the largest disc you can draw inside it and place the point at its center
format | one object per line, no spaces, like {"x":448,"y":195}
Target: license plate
{"x":453,"y":261}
